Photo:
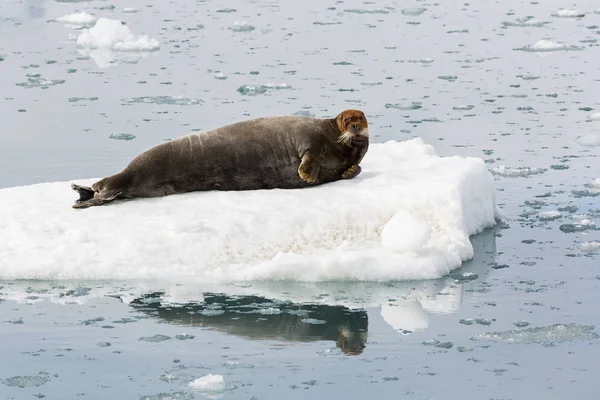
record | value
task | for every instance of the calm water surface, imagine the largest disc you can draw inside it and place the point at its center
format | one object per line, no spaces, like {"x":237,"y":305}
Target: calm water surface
{"x":460,"y":75}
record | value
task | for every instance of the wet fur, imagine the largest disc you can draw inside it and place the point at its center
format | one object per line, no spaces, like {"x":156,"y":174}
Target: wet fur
{"x":286,"y":152}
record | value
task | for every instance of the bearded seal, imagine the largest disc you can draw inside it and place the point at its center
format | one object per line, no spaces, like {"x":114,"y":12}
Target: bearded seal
{"x":280,"y":152}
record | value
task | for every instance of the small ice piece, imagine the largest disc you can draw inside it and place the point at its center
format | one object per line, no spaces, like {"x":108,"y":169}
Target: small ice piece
{"x":78,"y":19}
{"x":596,"y":183}
{"x":413,"y":12}
{"x":209,"y":384}
{"x":445,"y":345}
{"x":590,"y":140}
{"x":122,"y":136}
{"x":269,"y":311}
{"x":549,"y":215}
{"x":431,"y":342}
{"x":371,"y":83}
{"x":154,"y":339}
{"x":513,"y":172}
{"x":525,"y":23}
{"x":404,"y":232}
{"x":243,"y":26}
{"x":595,"y":117}
{"x":184,"y":336}
{"x":564,"y":13}
{"x":521,"y":324}
{"x":589,"y":247}
{"x":220,"y":76}
{"x":130,"y":10}
{"x":464,"y":276}
{"x":541,"y":335}
{"x":464,"y":349}
{"x":113,"y":35}
{"x":415,"y":105}
{"x":253,"y":90}
{"x":27,"y":381}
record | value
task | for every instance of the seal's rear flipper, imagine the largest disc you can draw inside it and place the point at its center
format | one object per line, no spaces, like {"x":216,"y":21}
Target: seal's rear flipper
{"x":85,"y":193}
{"x":95,"y":201}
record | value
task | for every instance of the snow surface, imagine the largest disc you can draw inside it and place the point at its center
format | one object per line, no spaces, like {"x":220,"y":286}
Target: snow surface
{"x":547,"y":45}
{"x":569,"y":13}
{"x":212,"y":386}
{"x":328,"y":232}
{"x":112,"y":34}
{"x":78,"y":19}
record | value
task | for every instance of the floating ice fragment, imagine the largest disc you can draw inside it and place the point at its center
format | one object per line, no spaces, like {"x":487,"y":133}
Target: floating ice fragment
{"x":76,"y":99}
{"x":185,"y":336}
{"x":130,"y":10}
{"x":464,"y":349}
{"x":78,"y":19}
{"x":513,"y":172}
{"x":445,"y":345}
{"x":589,"y":247}
{"x":596,"y":183}
{"x":465,"y":276}
{"x":590,"y":140}
{"x":253,"y":90}
{"x":564,"y":13}
{"x":269,"y":311}
{"x":209,"y":385}
{"x":122,"y":136}
{"x":304,"y":113}
{"x":431,"y":342}
{"x":547,"y":46}
{"x":413,"y":12}
{"x":463,"y":107}
{"x":525,"y":23}
{"x":168,"y":100}
{"x":371,"y":83}
{"x":367,"y":11}
{"x":27,"y":381}
{"x":243,"y":26}
{"x":521,"y":324}
{"x":595,"y":117}
{"x":541,"y":335}
{"x":220,"y":76}
{"x":154,"y":339}
{"x":113,"y":35}
{"x":180,"y":395}
{"x":405,"y":106}
{"x":549,"y":215}
{"x":405,"y":232}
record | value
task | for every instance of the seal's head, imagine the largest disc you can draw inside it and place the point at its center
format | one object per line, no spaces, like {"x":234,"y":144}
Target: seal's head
{"x":353,"y":127}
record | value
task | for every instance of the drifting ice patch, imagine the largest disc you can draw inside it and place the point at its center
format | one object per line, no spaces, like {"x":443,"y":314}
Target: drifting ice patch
{"x":513,"y":172}
{"x":253,"y":90}
{"x":210,"y":385}
{"x":569,"y":14}
{"x":595,"y":117}
{"x":78,"y":19}
{"x":591,"y":140}
{"x":241,"y":27}
{"x":312,"y":234}
{"x":589,"y":247}
{"x":109,"y":40}
{"x":113,"y":35}
{"x":525,"y":23}
{"x":549,"y":215}
{"x":541,"y":335}
{"x":542,"y":46}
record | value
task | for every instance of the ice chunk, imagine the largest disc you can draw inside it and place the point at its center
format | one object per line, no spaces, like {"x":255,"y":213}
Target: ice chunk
{"x":209,"y":385}
{"x":589,"y":247}
{"x":549,"y":215}
{"x":78,"y":19}
{"x":130,"y":10}
{"x":413,"y":12}
{"x":512,"y":172}
{"x":541,"y":335}
{"x":569,"y":14}
{"x":322,"y":233}
{"x":595,"y":116}
{"x":590,"y":140}
{"x":548,"y":46}
{"x":243,"y":26}
{"x":28,"y":381}
{"x":112,"y":34}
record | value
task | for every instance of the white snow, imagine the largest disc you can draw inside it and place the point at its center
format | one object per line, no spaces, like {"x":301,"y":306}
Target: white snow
{"x":346,"y":230}
{"x":113,"y":35}
{"x":78,"y":19}
{"x":130,"y":10}
{"x":596,"y":183}
{"x":569,"y":13}
{"x":549,"y":215}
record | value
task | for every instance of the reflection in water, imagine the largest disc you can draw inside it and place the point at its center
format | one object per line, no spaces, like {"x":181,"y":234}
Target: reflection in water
{"x":333,"y":311}
{"x":257,"y":317}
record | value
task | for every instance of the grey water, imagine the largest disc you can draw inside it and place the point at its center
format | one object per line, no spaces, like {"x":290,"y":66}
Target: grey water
{"x":519,"y":321}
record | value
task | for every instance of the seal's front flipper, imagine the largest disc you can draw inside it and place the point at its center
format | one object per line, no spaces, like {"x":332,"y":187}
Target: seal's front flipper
{"x":351,"y":172}
{"x":309,"y":168}
{"x":98,"y":200}
{"x":85,"y":193}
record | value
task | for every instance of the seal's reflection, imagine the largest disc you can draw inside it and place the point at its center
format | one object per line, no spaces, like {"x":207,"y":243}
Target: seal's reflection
{"x":257,"y":317}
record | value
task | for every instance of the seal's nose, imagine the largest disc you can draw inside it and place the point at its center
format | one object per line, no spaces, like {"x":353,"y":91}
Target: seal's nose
{"x":355,"y":127}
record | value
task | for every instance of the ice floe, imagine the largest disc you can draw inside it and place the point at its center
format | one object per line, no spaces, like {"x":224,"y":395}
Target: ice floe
{"x":313,"y":234}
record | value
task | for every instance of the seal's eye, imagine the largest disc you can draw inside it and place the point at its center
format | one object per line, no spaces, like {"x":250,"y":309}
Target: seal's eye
{"x":360,"y":117}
